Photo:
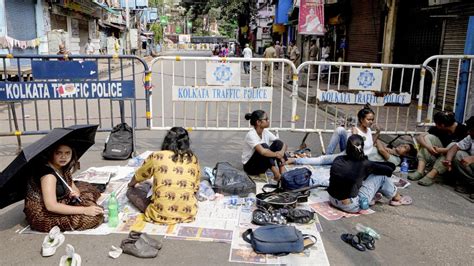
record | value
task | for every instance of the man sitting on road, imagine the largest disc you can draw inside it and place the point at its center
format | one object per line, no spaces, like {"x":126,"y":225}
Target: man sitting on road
{"x":463,"y":155}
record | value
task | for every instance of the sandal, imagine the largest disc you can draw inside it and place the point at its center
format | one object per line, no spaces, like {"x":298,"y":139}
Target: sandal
{"x":426,"y":181}
{"x":367,"y":240}
{"x":353,"y":240}
{"x":415,"y":176}
{"x":378,"y":196}
{"x":404,"y":200}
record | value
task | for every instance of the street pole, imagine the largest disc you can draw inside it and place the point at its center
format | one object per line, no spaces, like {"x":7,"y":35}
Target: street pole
{"x":127,"y":25}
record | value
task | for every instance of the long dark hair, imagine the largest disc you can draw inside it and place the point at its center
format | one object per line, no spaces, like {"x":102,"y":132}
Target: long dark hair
{"x":364,"y":112}
{"x":255,"y":116}
{"x":70,"y":167}
{"x":355,"y":148}
{"x":444,"y":118}
{"x":177,"y":141}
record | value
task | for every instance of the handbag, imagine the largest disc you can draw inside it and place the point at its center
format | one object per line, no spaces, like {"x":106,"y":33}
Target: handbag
{"x":232,"y":181}
{"x":277,"y":239}
{"x":295,"y":178}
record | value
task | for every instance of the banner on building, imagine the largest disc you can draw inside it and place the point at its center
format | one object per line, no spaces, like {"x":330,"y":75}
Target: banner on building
{"x":365,"y":79}
{"x":223,"y":74}
{"x":311,"y":17}
{"x":363,"y":97}
{"x":15,"y":91}
{"x":220,"y":93}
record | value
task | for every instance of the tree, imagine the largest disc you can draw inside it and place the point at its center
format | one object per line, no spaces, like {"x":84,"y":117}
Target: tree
{"x":157,"y":31}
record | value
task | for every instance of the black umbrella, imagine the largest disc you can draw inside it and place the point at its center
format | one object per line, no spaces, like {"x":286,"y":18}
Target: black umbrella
{"x":13,"y":179}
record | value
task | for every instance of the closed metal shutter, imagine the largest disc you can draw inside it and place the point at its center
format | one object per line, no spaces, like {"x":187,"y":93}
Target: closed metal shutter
{"x":21,"y":22}
{"x":453,"y":44}
{"x":364,"y":32}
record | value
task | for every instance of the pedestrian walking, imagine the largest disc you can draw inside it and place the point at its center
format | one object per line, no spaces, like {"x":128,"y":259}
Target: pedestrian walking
{"x":269,"y":53}
{"x":294,"y":54}
{"x":247,"y":54}
{"x":89,"y":48}
{"x":279,"y":52}
{"x":313,"y":56}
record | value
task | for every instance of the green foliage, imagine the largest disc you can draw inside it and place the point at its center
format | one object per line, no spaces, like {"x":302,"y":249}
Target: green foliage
{"x":158,"y":31}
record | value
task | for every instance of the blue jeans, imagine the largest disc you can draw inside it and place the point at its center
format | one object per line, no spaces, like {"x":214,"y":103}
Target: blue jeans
{"x":338,"y":137}
{"x":370,"y":186}
{"x":321,"y":160}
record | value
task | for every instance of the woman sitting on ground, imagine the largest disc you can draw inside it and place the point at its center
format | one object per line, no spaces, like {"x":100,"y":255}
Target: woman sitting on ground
{"x":366,"y":118}
{"x":49,"y":202}
{"x":176,"y":176}
{"x":354,"y":179}
{"x":258,"y":154}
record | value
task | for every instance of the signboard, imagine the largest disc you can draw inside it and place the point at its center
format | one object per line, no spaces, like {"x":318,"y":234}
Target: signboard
{"x":224,"y":94}
{"x":363,"y":97}
{"x":365,"y":79}
{"x":64,"y":69}
{"x":223,"y":74}
{"x":163,"y":20}
{"x":184,"y":38}
{"x":311,"y":17}
{"x":178,"y":29}
{"x":15,"y":91}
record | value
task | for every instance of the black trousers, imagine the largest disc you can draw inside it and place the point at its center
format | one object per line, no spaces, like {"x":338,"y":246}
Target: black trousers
{"x":258,"y":163}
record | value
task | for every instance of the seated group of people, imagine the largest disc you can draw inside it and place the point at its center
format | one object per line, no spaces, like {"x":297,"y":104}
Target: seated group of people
{"x":360,"y":172}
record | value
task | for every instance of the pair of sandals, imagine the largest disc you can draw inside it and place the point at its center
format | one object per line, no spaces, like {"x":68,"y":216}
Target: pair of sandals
{"x":361,"y":241}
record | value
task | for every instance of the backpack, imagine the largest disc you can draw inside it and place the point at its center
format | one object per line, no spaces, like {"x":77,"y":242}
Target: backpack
{"x":295,"y":179}
{"x":119,"y":145}
{"x":231,"y":181}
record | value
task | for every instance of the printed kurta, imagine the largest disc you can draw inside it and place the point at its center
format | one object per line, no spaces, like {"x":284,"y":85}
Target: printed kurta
{"x":174,"y":187}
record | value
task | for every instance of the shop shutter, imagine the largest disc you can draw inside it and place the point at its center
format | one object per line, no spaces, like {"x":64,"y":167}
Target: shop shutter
{"x":453,"y":44}
{"x":21,"y":23}
{"x":364,"y":32}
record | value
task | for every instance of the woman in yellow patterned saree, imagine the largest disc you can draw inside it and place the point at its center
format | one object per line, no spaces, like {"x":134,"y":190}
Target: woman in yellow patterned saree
{"x":176,"y":175}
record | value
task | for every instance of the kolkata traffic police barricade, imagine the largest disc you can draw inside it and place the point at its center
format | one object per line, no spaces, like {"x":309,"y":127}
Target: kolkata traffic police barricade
{"x":333,"y":92}
{"x":446,"y":83}
{"x":41,"y":92}
{"x":214,"y":93}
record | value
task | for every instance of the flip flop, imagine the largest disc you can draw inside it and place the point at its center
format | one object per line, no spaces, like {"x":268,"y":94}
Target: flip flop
{"x":426,"y":181}
{"x":415,"y":176}
{"x":378,"y":196}
{"x":353,"y":240}
{"x":404,"y":200}
{"x":367,"y":240}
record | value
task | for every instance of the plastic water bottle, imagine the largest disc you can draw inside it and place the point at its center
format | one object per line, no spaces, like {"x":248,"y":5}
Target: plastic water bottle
{"x":206,"y":190}
{"x":363,"y":203}
{"x":368,"y":230}
{"x":113,"y":210}
{"x":404,"y":169}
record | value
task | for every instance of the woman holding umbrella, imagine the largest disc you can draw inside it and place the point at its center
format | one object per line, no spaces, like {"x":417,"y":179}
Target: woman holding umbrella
{"x":52,"y":199}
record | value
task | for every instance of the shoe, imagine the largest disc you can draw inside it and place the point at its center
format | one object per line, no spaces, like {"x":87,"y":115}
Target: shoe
{"x":353,"y":240}
{"x":426,"y":181}
{"x":71,"y":258}
{"x":404,"y":200}
{"x":138,"y":248}
{"x":52,"y":241}
{"x":367,"y":240}
{"x":415,"y":176}
{"x":150,"y":241}
{"x":461,"y":189}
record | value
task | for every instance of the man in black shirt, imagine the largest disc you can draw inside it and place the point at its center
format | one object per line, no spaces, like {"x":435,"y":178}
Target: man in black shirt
{"x":434,"y":145}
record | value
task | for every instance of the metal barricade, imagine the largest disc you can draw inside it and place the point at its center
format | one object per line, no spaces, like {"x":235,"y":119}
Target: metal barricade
{"x":451,"y":83}
{"x":323,"y":117}
{"x":225,"y":105}
{"x":41,"y":92}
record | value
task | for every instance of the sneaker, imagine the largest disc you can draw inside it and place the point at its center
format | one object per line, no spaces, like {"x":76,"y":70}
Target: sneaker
{"x":52,"y":241}
{"x":71,"y":258}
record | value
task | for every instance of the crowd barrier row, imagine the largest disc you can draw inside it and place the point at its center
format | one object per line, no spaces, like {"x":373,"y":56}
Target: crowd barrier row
{"x":38,"y":93}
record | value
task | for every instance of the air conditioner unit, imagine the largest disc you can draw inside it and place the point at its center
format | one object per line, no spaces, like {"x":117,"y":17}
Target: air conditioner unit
{"x":441,"y":2}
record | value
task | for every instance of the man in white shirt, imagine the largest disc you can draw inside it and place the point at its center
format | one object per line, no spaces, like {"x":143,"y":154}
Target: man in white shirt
{"x":89,"y":48}
{"x":460,"y":157}
{"x":247,"y":54}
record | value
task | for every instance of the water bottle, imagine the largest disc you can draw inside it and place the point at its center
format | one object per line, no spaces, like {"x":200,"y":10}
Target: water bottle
{"x":113,"y":210}
{"x":368,"y":230}
{"x":363,"y":203}
{"x":206,"y":190}
{"x":404,"y":169}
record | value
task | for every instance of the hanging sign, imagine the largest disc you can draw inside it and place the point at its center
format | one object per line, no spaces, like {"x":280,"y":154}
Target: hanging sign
{"x":64,"y":69}
{"x":363,"y":97}
{"x":222,"y":94}
{"x":365,"y":79}
{"x":223,"y":74}
{"x":311,"y":17}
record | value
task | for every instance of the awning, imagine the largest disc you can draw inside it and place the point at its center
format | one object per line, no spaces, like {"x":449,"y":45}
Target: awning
{"x":106,"y":24}
{"x":107,"y":8}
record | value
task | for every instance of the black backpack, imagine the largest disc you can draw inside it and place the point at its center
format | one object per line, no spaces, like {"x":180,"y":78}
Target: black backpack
{"x":119,"y":145}
{"x":232,"y":181}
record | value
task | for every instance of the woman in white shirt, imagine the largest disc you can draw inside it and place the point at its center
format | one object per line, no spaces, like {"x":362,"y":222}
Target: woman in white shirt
{"x":366,"y":118}
{"x":262,"y":150}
